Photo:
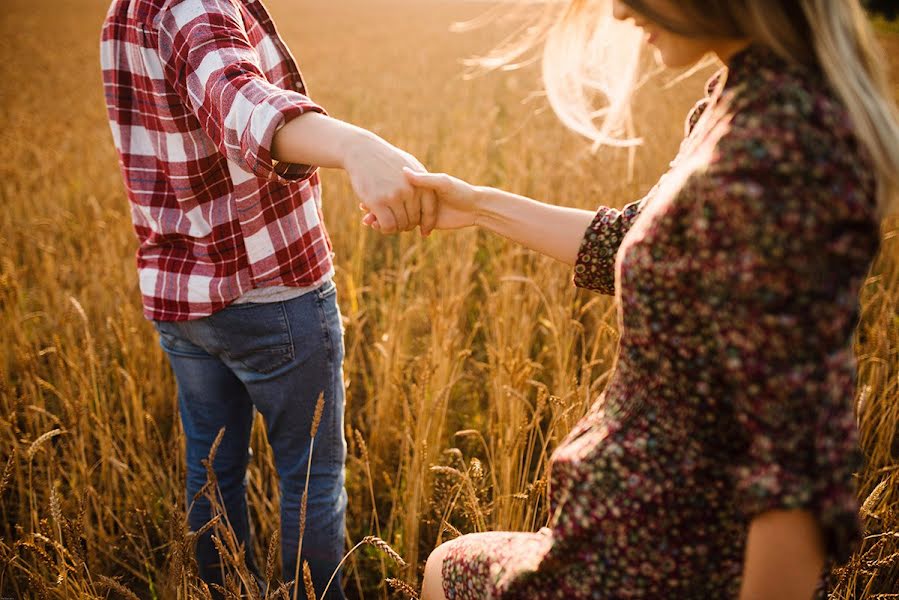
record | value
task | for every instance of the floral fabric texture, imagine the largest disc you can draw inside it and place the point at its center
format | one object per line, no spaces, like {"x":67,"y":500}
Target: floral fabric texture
{"x":737,"y":278}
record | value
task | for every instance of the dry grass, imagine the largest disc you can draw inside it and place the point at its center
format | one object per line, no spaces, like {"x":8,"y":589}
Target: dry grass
{"x":467,"y":359}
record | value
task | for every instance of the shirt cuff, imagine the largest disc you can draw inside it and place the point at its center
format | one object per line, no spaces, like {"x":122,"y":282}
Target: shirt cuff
{"x":268,"y":117}
{"x":594,"y":268}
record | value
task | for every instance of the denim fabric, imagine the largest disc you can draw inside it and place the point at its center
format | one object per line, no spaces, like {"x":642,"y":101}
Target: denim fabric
{"x":275,"y":358}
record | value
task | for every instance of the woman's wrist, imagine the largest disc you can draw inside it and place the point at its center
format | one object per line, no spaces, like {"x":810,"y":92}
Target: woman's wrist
{"x":484,"y":202}
{"x":555,"y":231}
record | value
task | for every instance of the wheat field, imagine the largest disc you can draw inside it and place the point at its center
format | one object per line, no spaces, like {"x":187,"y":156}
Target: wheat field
{"x":467,"y":358}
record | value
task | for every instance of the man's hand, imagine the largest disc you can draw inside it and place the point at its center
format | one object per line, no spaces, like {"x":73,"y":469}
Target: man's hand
{"x":456,"y":200}
{"x":376,"y":173}
{"x":375,"y":168}
{"x":555,"y":231}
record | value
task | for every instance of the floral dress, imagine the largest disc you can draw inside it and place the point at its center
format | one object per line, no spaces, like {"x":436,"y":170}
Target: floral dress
{"x":737,"y":279}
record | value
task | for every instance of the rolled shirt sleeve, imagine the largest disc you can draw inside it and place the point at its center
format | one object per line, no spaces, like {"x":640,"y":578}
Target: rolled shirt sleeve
{"x":209,"y":60}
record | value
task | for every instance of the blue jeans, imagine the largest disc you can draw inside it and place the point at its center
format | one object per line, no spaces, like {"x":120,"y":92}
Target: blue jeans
{"x":275,"y":358}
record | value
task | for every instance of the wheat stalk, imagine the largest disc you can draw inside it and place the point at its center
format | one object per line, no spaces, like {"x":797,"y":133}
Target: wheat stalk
{"x":372,"y":541}
{"x":867,"y":508}
{"x":385,"y":548}
{"x":307,"y":582}
{"x":40,"y":441}
{"x":7,"y":472}
{"x":118,"y":588}
{"x":271,"y":555}
{"x":317,"y":415}
{"x":447,"y":526}
{"x":316,"y":419}
{"x":401,"y":587}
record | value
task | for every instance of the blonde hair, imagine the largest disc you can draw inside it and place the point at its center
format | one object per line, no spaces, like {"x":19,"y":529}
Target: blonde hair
{"x":592,"y":64}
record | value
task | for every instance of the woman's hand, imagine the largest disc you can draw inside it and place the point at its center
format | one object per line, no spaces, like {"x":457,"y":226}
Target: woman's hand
{"x":456,"y":200}
{"x":555,"y":231}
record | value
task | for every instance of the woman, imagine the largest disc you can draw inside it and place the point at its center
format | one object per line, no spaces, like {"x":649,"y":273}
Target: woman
{"x":719,"y":461}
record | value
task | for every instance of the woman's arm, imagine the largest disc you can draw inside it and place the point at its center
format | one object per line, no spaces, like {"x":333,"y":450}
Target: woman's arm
{"x":555,"y":231}
{"x":552,"y":230}
{"x":784,"y":556}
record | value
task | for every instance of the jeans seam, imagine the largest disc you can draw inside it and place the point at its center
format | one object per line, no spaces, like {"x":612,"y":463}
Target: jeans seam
{"x":330,"y":392}
{"x":291,"y":353}
{"x":172,"y":348}
{"x":323,"y":318}
{"x":222,"y":349}
{"x":182,"y":354}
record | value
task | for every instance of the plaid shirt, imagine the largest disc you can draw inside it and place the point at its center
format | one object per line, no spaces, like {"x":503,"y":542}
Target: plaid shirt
{"x":195,"y":91}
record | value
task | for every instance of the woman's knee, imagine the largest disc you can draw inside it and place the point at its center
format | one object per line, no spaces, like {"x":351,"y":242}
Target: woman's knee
{"x":432,"y":585}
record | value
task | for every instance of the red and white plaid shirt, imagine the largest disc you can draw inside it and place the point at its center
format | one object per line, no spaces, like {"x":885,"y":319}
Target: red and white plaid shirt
{"x":195,"y":91}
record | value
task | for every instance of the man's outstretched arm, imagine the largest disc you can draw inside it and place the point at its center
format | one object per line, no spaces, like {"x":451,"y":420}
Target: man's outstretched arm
{"x":209,"y":60}
{"x":375,"y":167}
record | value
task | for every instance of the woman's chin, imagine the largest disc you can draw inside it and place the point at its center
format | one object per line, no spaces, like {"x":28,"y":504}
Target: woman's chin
{"x":676,"y":60}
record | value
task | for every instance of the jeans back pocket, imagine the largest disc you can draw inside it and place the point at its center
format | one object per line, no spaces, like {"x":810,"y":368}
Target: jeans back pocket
{"x":255,"y":335}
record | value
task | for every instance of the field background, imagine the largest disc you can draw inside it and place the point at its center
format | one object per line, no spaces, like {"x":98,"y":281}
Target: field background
{"x":463,"y":352}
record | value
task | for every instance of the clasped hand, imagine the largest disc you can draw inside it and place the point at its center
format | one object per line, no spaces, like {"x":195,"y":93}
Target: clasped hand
{"x":376,"y":173}
{"x":452,"y":199}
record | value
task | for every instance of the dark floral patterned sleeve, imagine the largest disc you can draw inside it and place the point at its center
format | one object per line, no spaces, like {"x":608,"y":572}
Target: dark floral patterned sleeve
{"x":595,"y":266}
{"x":783,"y":228}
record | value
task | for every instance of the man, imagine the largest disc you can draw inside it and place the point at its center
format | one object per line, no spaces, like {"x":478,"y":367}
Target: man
{"x":219,"y":145}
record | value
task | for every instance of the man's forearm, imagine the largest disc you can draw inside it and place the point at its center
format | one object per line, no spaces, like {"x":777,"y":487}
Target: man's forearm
{"x":316,"y":139}
{"x":375,"y":167}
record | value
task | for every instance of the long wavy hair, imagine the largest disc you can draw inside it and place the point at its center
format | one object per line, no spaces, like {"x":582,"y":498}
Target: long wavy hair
{"x":592,"y":64}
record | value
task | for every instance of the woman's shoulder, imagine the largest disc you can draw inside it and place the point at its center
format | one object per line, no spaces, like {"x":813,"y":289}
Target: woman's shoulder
{"x":785,"y":105}
{"x":785,"y":125}
{"x":782,"y":148}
